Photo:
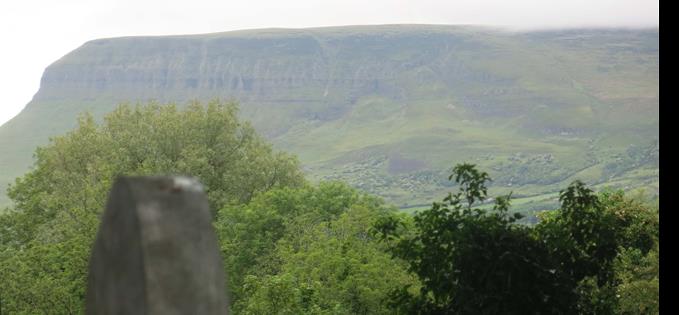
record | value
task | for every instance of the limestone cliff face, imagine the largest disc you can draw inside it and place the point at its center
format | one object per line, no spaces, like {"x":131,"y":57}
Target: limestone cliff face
{"x":347,"y":97}
{"x":161,"y":67}
{"x":322,"y":70}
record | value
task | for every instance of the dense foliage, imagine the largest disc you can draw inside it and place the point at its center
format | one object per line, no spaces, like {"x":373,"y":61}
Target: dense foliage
{"x":294,"y":248}
{"x":308,"y":251}
{"x":45,"y":239}
{"x":576,"y":260}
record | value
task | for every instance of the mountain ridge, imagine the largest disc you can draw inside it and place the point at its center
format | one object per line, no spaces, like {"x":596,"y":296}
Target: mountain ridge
{"x":364,"y":104}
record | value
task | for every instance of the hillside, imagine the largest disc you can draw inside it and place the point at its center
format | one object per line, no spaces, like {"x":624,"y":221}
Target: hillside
{"x":390,"y":109}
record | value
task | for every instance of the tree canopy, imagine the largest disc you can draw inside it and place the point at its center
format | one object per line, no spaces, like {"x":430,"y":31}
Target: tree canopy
{"x":290,"y":247}
{"x":45,"y":239}
{"x":308,"y":251}
{"x":472,"y":260}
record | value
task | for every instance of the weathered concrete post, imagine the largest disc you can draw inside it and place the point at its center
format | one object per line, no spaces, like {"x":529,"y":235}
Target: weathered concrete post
{"x":156,"y":251}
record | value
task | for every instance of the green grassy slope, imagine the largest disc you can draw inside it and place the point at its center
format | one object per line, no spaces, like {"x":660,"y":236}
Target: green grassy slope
{"x":390,"y":108}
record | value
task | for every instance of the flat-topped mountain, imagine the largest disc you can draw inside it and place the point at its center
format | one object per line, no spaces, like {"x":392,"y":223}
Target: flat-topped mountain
{"x":390,"y":108}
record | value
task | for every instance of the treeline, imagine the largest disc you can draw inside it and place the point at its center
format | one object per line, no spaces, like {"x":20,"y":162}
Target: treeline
{"x":290,"y":247}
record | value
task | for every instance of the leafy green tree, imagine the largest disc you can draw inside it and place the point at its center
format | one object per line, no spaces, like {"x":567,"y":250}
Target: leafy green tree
{"x":476,"y":261}
{"x":248,"y":233}
{"x":600,"y":241}
{"x":473,"y":261}
{"x":308,"y":251}
{"x":637,"y":264}
{"x":638,"y":291}
{"x":46,"y":238}
{"x":334,"y":267}
{"x":583,"y":240}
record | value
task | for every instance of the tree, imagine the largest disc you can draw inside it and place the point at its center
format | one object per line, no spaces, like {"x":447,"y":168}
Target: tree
{"x":603,"y":242}
{"x":476,"y":261}
{"x":469,"y":260}
{"x":637,"y":264}
{"x":46,"y":237}
{"x":583,"y":240}
{"x":308,"y":251}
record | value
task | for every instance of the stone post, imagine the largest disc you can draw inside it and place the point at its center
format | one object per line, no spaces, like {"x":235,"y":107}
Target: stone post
{"x":156,"y":251}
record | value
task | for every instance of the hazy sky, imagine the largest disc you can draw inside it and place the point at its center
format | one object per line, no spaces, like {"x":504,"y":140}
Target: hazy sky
{"x":36,"y":33}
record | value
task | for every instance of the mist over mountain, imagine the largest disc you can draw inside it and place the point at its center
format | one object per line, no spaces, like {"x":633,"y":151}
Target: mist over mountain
{"x":390,"y":109}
